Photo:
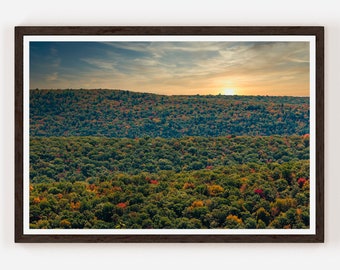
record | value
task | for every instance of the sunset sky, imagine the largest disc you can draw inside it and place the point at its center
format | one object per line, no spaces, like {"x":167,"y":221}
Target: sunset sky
{"x":173,"y":68}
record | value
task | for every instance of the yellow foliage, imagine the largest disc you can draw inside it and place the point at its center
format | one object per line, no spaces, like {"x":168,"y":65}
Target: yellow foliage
{"x":188,"y":185}
{"x":156,"y":120}
{"x":306,"y":186}
{"x":36,"y":200}
{"x":42,"y":224}
{"x":243,"y":188}
{"x":197,"y":204}
{"x":214,"y":190}
{"x":234,"y":218}
{"x":75,"y":205}
{"x":65,"y":224}
{"x":284,"y":204}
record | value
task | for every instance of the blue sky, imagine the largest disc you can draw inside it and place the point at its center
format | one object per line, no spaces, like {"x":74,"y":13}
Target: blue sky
{"x":244,"y":68}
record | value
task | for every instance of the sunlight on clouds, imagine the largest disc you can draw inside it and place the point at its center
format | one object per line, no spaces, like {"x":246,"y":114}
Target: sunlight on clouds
{"x":270,"y":68}
{"x":52,"y":77}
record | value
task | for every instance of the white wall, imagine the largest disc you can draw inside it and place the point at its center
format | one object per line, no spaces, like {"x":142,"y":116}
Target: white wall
{"x":175,"y":12}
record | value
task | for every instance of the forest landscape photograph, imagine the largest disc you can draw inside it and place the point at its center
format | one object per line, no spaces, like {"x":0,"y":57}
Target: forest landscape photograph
{"x":169,"y":135}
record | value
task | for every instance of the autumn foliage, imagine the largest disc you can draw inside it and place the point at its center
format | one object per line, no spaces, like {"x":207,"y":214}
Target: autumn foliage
{"x":104,"y":159}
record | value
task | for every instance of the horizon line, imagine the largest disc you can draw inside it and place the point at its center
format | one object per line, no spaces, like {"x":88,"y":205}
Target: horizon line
{"x":152,"y":93}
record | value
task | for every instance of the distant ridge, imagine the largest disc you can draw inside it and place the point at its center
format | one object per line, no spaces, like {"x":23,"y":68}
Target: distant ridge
{"x":121,"y":113}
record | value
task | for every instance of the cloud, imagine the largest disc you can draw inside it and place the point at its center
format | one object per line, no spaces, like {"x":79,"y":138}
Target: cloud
{"x":100,"y":64}
{"x":52,"y":77}
{"x":177,"y":67}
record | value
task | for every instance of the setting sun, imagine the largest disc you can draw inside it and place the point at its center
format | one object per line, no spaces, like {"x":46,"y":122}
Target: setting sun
{"x":226,"y":68}
{"x":229,"y":91}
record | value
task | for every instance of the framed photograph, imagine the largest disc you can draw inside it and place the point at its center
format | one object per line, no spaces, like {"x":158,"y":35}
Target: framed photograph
{"x":169,"y":134}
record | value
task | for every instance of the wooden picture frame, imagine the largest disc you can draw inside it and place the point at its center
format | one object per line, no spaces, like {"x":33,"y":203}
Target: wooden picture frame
{"x":313,"y":35}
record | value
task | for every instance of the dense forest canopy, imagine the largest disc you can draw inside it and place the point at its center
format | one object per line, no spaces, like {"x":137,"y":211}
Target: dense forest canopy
{"x":115,"y":113}
{"x":119,"y":159}
{"x":241,"y":182}
{"x":77,"y":158}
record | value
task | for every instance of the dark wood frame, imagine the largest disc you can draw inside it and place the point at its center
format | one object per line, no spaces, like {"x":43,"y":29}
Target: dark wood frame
{"x":316,"y":31}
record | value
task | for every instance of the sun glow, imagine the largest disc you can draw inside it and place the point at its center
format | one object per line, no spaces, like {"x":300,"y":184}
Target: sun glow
{"x":229,"y":91}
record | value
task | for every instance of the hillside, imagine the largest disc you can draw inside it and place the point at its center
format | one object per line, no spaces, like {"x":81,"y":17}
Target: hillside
{"x":77,"y":158}
{"x":115,"y":113}
{"x":111,"y":159}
